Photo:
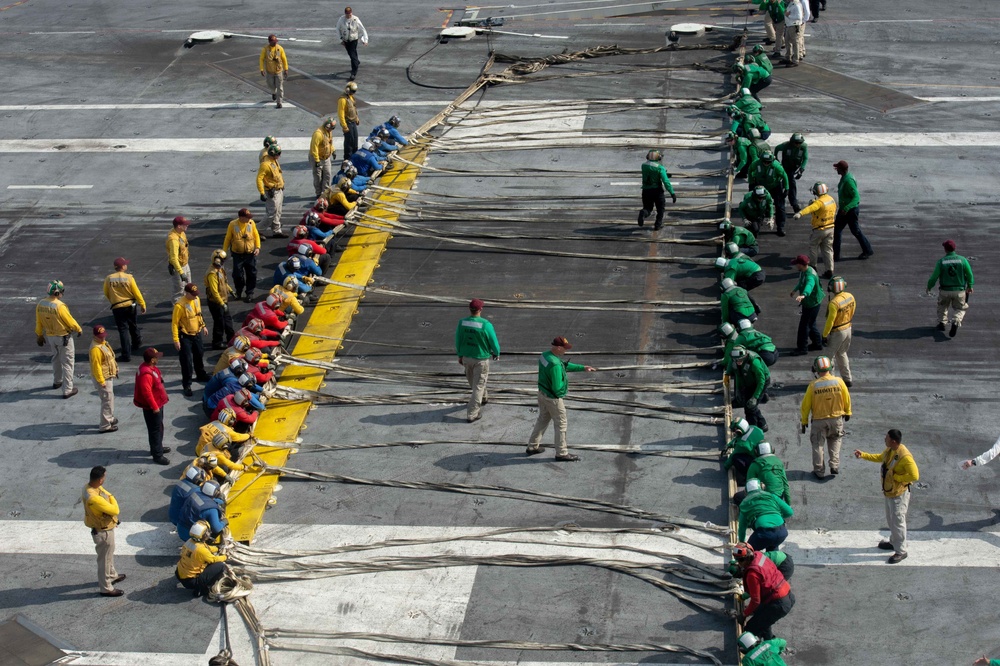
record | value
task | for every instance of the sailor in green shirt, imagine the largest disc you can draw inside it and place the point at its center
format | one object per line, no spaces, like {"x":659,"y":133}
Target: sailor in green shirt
{"x":742,"y":236}
{"x":758,"y":652}
{"x":760,"y":57}
{"x":848,"y":210}
{"x":752,"y":379}
{"x":757,"y":342}
{"x":746,"y":272}
{"x":552,"y":386}
{"x":746,"y":103}
{"x":793,"y":155}
{"x":741,"y":450}
{"x":769,"y":470}
{"x":744,"y":122}
{"x":955,"y":274}
{"x":654,"y":179}
{"x":752,"y":76}
{"x":765,"y":513}
{"x":809,"y":295}
{"x":767,"y":172}
{"x":476,"y":343}
{"x":735,"y":303}
{"x":757,"y":208}
{"x":746,"y":151}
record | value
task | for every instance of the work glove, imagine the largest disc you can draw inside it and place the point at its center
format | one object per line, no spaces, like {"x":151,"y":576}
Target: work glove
{"x":797,"y":215}
{"x":263,"y":197}
{"x":847,"y":417}
{"x":804,"y":426}
{"x":674,"y":197}
{"x":495,"y":358}
{"x":752,"y":403}
{"x":40,"y":340}
{"x":798,"y":174}
{"x":230,"y":479}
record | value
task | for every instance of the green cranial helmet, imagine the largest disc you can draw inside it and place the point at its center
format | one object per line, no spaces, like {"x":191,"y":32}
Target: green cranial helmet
{"x":56,"y":287}
{"x":768,"y":158}
{"x":758,"y":49}
{"x":798,"y":138}
{"x":269,"y":141}
{"x":274,"y":150}
{"x":822,"y":364}
{"x":654,"y":155}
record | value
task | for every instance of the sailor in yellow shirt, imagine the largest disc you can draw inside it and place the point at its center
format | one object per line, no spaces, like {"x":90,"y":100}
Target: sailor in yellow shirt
{"x":200,"y":564}
{"x":104,"y":370}
{"x":100,"y":514}
{"x":218,"y":445}
{"x":188,"y":326}
{"x":830,"y":403}
{"x":837,"y":331}
{"x":322,"y":154}
{"x":243,"y":242}
{"x":347,"y":114}
{"x":339,"y":197}
{"x":288,"y":290}
{"x":274,"y":68}
{"x":217,"y":289}
{"x":177,"y":255}
{"x":824,"y":211}
{"x":271,"y":186}
{"x":899,"y":470}
{"x":126,"y":301}
{"x":56,"y":326}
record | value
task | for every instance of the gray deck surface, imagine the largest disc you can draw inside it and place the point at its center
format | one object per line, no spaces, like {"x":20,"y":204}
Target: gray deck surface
{"x":936,"y":390}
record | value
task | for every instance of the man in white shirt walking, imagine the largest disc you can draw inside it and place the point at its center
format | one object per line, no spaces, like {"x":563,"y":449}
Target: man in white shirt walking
{"x":795,"y":18}
{"x":351,"y":30}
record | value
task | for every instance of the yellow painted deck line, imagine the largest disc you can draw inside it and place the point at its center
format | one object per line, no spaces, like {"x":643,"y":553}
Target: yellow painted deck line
{"x":332,"y":315}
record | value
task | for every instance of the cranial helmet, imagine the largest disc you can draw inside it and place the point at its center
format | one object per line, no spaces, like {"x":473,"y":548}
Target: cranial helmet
{"x":837,"y":284}
{"x":819,"y":189}
{"x":822,"y":364}
{"x":727,"y":330}
{"x":199,"y":531}
{"x":764,"y":448}
{"x":227,"y":417}
{"x":747,"y":641}
{"x":732,"y":249}
{"x":654,"y":155}
{"x":752,"y":485}
{"x":211,"y":488}
{"x":745,"y":324}
{"x":727,"y":284}
{"x":740,"y":425}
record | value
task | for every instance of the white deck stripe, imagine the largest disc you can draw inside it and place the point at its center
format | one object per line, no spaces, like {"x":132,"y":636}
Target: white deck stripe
{"x":252,"y":144}
{"x":808,"y":547}
{"x":136,"y":107}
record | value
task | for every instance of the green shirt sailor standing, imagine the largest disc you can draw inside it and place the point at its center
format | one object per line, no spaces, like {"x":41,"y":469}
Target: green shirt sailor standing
{"x":476,"y":343}
{"x":654,"y":179}
{"x":552,"y":387}
{"x":955,"y":275}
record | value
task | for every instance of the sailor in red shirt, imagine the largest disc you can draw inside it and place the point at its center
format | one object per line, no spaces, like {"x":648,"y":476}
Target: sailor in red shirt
{"x":770,"y":594}
{"x":258,"y":335}
{"x":267,"y":312}
{"x":257,"y":366}
{"x":301,"y":237}
{"x":242,"y":405}
{"x":325,"y":221}
{"x":151,"y":396}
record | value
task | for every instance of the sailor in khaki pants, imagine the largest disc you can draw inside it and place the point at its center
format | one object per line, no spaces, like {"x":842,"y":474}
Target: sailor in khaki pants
{"x":476,"y":343}
{"x":837,"y":331}
{"x":899,"y":470}
{"x":551,"y":391}
{"x":100,"y":514}
{"x":55,"y":325}
{"x":829,"y":402}
{"x":104,"y":370}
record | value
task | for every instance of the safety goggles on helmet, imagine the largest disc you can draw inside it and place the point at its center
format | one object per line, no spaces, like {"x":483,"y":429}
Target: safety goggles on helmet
{"x":301,"y":231}
{"x":742,"y":551}
{"x":227,"y":417}
{"x":747,"y":640}
{"x":822,"y":364}
{"x":199,"y":531}
{"x":269,"y":141}
{"x":274,"y":150}
{"x":209,"y":460}
{"x":394,"y":121}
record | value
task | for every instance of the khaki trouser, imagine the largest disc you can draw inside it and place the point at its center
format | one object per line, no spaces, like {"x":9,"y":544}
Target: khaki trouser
{"x":774,"y":32}
{"x":795,"y":42}
{"x":954,"y":300}
{"x":821,"y":240}
{"x":550,"y":409}
{"x":272,"y":204}
{"x":322,"y":173}
{"x":104,"y":542}
{"x":180,"y":281}
{"x":276,"y":84}
{"x":831,"y":433}
{"x":837,"y":344}
{"x":477,"y":370}
{"x":107,"y":395}
{"x":63,"y":360}
{"x":895,"y":515}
